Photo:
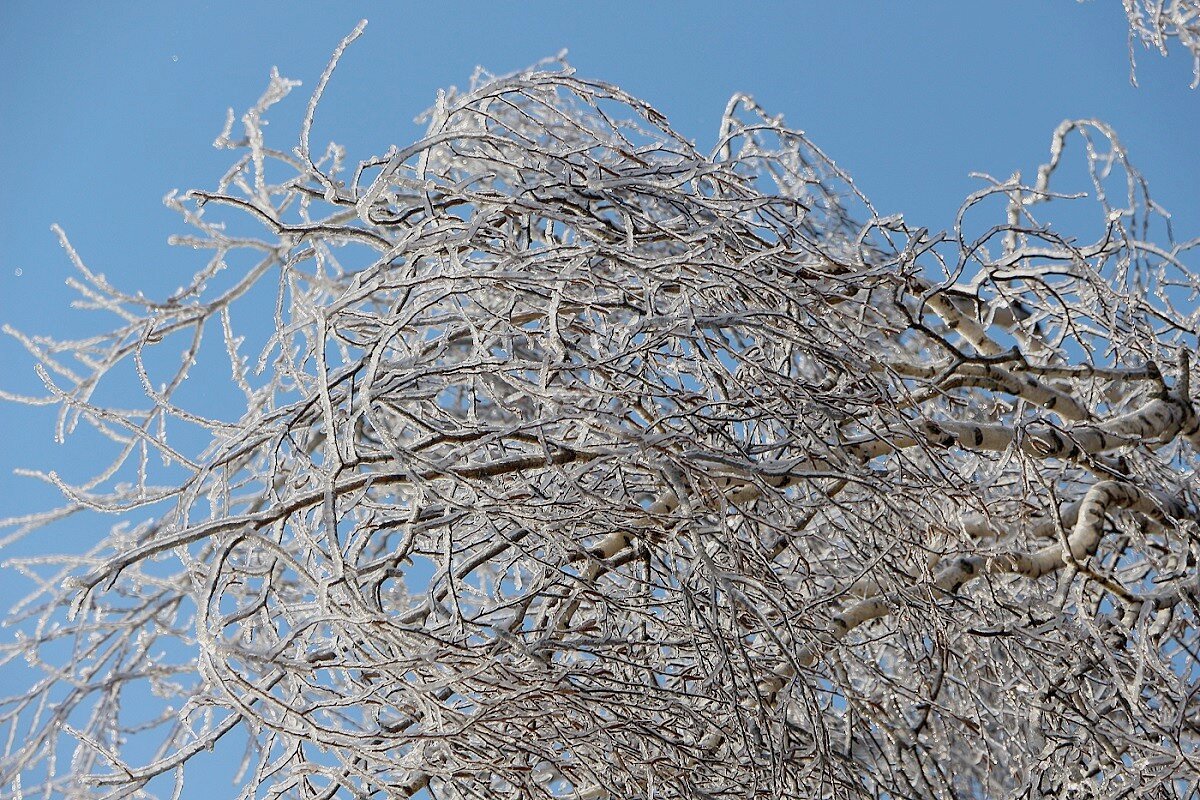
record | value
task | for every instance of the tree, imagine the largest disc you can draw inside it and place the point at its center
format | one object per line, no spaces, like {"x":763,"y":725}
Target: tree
{"x":580,"y":463}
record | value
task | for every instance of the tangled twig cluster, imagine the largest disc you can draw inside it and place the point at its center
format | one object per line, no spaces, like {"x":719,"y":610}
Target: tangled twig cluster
{"x":577,"y":462}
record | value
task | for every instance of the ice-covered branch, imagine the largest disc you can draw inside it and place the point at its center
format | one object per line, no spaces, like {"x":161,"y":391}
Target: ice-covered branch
{"x":565,"y":459}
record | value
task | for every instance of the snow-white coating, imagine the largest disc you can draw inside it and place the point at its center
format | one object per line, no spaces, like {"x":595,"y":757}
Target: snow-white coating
{"x":581,"y":463}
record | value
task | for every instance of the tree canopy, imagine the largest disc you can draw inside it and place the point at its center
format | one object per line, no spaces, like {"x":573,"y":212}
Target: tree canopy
{"x":574,"y":461}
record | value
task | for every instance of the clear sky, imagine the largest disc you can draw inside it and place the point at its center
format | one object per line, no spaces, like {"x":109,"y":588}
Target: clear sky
{"x":105,"y":107}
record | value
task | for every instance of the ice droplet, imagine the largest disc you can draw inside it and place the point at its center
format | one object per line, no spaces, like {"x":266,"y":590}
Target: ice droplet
{"x":174,"y":58}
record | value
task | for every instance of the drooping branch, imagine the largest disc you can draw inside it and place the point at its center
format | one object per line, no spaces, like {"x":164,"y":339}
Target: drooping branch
{"x":1155,"y":24}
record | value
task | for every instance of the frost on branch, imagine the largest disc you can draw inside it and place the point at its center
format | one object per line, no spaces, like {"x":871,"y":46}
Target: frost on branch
{"x":573,"y":461}
{"x":1156,"y":22}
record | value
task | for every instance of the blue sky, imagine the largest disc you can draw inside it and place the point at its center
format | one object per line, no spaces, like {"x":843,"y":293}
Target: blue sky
{"x":106,"y":107}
